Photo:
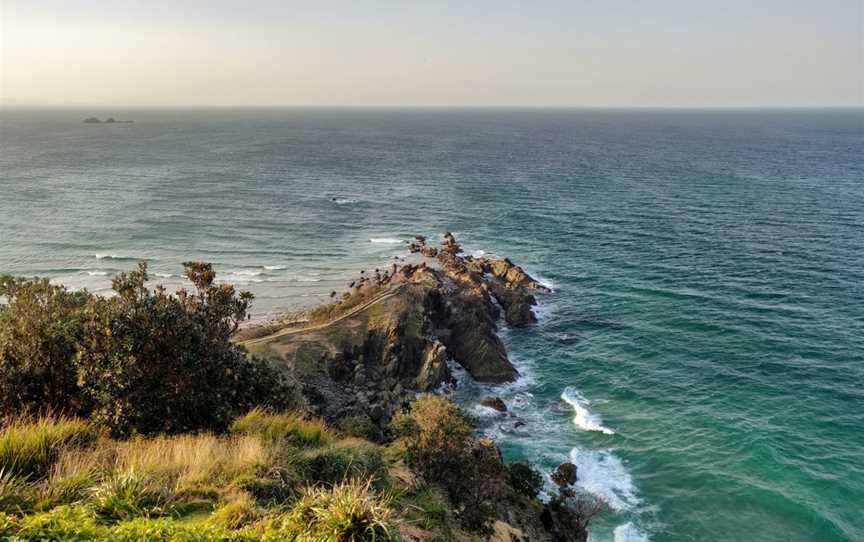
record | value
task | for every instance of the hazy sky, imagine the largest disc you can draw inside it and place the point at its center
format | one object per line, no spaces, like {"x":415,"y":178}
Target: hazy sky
{"x":403,"y":52}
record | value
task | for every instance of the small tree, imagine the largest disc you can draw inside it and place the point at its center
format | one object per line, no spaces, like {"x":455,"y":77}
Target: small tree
{"x":39,"y":329}
{"x":525,"y":479}
{"x":143,"y":361}
{"x":569,"y":513}
{"x":440,"y":447}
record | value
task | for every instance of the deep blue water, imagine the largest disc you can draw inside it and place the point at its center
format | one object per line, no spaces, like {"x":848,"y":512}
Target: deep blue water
{"x":701,"y":358}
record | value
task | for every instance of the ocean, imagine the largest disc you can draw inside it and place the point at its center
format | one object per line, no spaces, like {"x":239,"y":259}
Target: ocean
{"x":701,"y":358}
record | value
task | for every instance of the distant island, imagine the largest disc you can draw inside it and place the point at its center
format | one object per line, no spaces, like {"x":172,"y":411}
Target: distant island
{"x":109,"y":120}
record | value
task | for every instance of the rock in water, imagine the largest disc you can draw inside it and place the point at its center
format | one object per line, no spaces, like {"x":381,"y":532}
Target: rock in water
{"x":565,"y":474}
{"x":495,"y":403}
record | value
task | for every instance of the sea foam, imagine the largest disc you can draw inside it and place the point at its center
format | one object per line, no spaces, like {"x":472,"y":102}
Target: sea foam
{"x":386,"y":240}
{"x":274,"y":267}
{"x":602,"y":473}
{"x":629,"y":533}
{"x":584,"y":418}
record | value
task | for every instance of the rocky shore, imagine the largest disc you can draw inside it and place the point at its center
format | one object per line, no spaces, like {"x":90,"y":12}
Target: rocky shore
{"x":391,"y":337}
{"x":392,"y":333}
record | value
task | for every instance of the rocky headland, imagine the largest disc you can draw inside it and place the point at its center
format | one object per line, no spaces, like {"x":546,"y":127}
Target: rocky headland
{"x":391,"y":335}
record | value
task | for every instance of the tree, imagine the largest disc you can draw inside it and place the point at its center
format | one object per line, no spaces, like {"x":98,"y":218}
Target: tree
{"x":39,"y":329}
{"x":143,"y":361}
{"x":440,"y":447}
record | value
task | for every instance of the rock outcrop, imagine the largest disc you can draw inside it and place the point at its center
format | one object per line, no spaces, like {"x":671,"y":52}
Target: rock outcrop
{"x":495,"y":403}
{"x":390,"y":336}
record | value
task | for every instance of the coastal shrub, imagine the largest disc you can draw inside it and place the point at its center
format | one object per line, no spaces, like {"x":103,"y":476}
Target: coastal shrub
{"x":282,"y":428}
{"x":29,"y":447}
{"x":361,"y":427}
{"x":347,"y":512}
{"x":439,"y":446}
{"x":525,"y":479}
{"x":350,"y":458}
{"x":437,"y":435}
{"x":39,"y":329}
{"x":143,"y":361}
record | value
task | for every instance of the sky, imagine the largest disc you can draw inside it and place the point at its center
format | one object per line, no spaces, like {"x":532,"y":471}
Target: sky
{"x":547,"y":53}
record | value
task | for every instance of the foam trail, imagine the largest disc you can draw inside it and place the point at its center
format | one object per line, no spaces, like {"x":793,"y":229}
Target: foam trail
{"x":274,"y":267}
{"x":386,"y":240}
{"x":97,"y":273}
{"x":629,"y":533}
{"x":603,"y":474}
{"x":584,"y":419}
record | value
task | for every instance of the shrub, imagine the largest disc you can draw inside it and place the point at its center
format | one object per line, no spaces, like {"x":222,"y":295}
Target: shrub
{"x":525,"y":479}
{"x":361,"y":427}
{"x":282,"y":428}
{"x":237,"y":513}
{"x":39,"y":329}
{"x":28,"y":448}
{"x":349,"y":458}
{"x":439,"y":446}
{"x":438,"y":435}
{"x":108,"y":358}
{"x":131,"y":494}
{"x":347,"y":512}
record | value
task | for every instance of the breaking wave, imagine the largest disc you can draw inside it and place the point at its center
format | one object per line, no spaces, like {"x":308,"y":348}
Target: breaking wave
{"x":584,"y":418}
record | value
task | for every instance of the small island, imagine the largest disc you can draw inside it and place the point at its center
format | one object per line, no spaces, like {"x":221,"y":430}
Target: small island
{"x":109,"y":120}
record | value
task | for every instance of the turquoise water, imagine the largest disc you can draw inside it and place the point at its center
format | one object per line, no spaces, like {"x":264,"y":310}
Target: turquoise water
{"x":701,"y":357}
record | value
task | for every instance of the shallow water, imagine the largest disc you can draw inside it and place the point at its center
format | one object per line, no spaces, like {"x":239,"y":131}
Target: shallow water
{"x":700,"y":358}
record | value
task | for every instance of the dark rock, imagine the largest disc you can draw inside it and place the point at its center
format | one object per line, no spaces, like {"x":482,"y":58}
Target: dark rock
{"x":565,"y":474}
{"x":494,"y":402}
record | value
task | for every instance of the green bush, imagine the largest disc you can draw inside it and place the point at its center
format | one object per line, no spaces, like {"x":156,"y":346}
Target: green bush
{"x":40,"y":325}
{"x":438,"y":436}
{"x":107,"y":358}
{"x":439,"y":446}
{"x":28,"y":448}
{"x":346,"y":459}
{"x":361,"y":427}
{"x":525,"y":479}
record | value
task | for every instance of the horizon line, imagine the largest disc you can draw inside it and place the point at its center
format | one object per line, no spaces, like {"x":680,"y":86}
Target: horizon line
{"x":271,"y":107}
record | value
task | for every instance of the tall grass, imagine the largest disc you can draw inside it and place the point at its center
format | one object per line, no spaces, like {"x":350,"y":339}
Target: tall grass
{"x":350,"y":512}
{"x":283,"y":428}
{"x":29,"y":447}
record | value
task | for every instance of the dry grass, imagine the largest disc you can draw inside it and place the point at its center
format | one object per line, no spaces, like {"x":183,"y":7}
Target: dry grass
{"x":187,"y":460}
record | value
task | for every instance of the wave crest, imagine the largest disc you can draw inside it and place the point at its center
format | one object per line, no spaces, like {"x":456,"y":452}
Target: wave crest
{"x":584,"y":419}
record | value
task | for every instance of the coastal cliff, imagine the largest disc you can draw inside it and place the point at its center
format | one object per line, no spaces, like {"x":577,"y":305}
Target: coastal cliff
{"x":390,"y":336}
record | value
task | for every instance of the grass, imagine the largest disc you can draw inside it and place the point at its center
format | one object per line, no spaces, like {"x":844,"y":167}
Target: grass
{"x":29,"y":447}
{"x":283,"y":428}
{"x":349,"y":511}
{"x":275,"y":476}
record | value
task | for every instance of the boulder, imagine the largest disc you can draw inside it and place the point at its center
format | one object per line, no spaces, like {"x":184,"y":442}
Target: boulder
{"x":495,"y":403}
{"x":565,"y":474}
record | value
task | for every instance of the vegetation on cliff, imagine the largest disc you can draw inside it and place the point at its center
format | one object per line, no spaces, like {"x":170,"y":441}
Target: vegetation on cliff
{"x":144,"y":416}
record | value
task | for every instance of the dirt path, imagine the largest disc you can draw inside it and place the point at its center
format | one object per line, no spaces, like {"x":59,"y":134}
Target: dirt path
{"x":352,"y":312}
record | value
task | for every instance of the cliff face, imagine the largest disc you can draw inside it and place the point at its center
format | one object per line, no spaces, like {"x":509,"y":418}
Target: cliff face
{"x":392,"y":334}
